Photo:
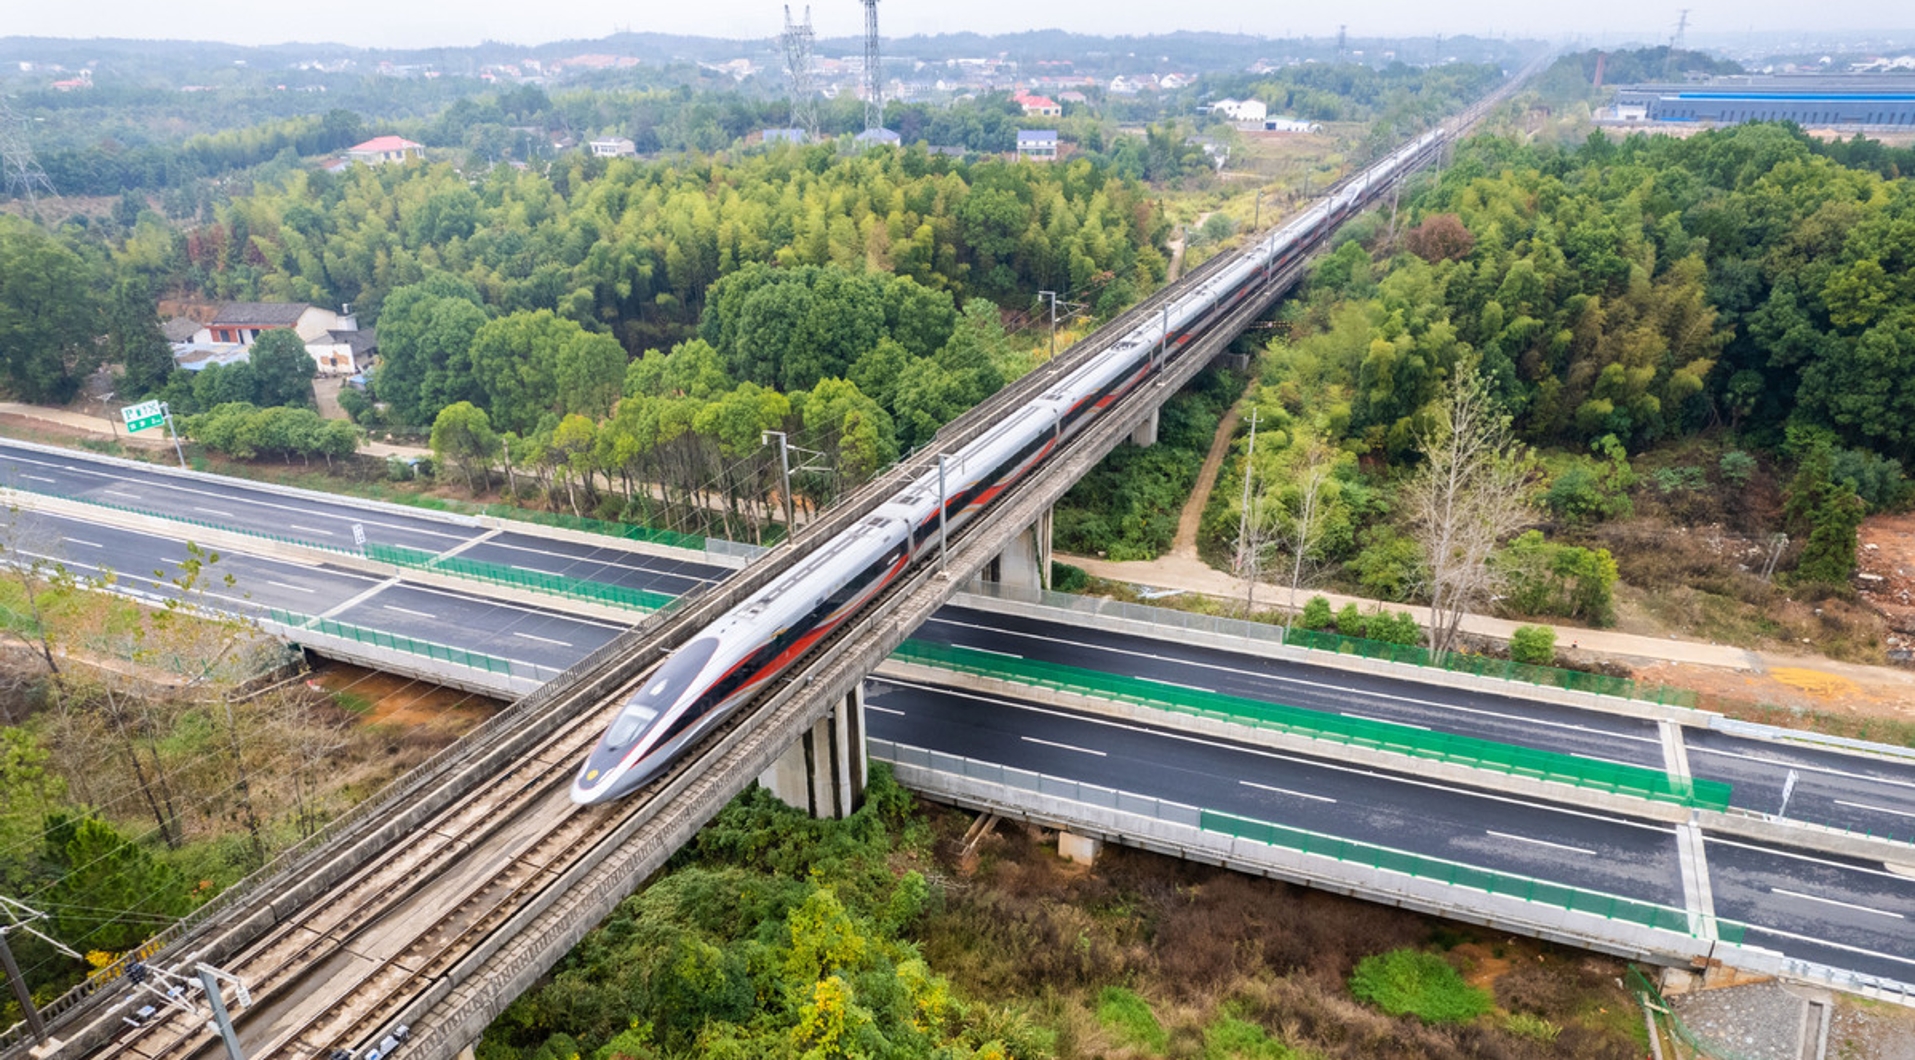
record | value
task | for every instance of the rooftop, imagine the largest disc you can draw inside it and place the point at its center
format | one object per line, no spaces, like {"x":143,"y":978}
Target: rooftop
{"x":261,"y":314}
{"x":388,"y":143}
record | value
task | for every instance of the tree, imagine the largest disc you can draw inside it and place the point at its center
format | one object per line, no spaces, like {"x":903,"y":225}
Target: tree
{"x":535,"y":364}
{"x":282,"y":370}
{"x":1470,"y":494}
{"x":1829,"y":512}
{"x":49,"y":318}
{"x":462,"y":436}
{"x":134,"y":341}
{"x":425,"y":347}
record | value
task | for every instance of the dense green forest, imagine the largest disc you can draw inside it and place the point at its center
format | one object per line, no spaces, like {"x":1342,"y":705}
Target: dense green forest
{"x":1715,"y":330}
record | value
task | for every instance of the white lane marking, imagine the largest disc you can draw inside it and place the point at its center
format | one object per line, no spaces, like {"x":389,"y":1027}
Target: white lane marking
{"x":37,"y":478}
{"x":1538,"y":842}
{"x":89,"y":544}
{"x":294,"y":588}
{"x":467,"y":598}
{"x":640,"y":562}
{"x":1779,"y":933}
{"x":123,"y":493}
{"x":884,"y":710}
{"x":542,"y":640}
{"x":1803,"y":765}
{"x":1178,"y":684}
{"x":215,"y":511}
{"x":1876,"y":809}
{"x":1386,"y":721}
{"x":1314,"y":763}
{"x":992,"y":651}
{"x":1831,"y":901}
{"x":423,"y":527}
{"x":1286,"y":791}
{"x":408,"y":611}
{"x":1065,"y":746}
{"x":1324,"y":686}
{"x":535,"y":570}
{"x":308,"y":529}
{"x":1779,"y":852}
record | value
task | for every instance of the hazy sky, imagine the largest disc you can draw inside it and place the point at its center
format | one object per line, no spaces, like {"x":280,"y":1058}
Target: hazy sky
{"x":416,"y":23}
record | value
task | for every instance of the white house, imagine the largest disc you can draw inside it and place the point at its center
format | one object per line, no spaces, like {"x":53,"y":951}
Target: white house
{"x":1037,"y":145}
{"x":333,"y":340}
{"x":614,"y":147}
{"x":1252,"y":110}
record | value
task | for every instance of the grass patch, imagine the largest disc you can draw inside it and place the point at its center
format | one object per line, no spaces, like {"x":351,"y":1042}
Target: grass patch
{"x":1407,"y":982}
{"x":1130,"y":1017}
{"x":1230,"y":1038}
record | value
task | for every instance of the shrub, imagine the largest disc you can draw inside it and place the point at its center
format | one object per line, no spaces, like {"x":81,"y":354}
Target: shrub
{"x":1533,"y":644}
{"x":1737,"y":467}
{"x":1068,"y":579}
{"x":1535,"y":1028}
{"x":1351,"y":623}
{"x":1395,"y":627}
{"x":1409,"y":982}
{"x":1316,"y":614}
{"x":1389,"y":564}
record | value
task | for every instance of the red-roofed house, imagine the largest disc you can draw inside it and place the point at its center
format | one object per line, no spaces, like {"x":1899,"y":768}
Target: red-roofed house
{"x":1043,"y":106}
{"x":382,"y":149}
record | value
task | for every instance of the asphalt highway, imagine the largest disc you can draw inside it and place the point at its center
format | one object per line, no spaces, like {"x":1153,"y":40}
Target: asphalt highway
{"x":325,"y":520}
{"x":1846,"y":914}
{"x":1842,"y":790}
{"x":1842,"y":913}
{"x":150,"y":566}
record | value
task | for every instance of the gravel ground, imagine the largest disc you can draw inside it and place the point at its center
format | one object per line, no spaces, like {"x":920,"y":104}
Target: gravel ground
{"x":1759,"y":1021}
{"x":1871,"y":1031}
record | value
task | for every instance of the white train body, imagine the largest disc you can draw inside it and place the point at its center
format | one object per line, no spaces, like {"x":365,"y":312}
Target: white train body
{"x":740,"y":654}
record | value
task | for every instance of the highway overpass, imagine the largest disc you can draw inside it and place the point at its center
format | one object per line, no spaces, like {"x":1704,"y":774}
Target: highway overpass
{"x":1826,"y":905}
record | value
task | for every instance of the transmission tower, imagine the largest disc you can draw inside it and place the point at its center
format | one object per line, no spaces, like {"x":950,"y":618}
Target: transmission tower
{"x":1682,"y":26}
{"x":19,"y":170}
{"x":804,"y":102}
{"x":1342,"y":37}
{"x":873,"y":80}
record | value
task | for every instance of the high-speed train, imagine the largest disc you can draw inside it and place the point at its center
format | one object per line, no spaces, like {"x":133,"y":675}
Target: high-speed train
{"x":740,"y":654}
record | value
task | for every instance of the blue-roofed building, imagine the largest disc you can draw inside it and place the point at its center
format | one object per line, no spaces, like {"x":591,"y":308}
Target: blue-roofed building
{"x":1038,"y":145}
{"x":1808,"y":100}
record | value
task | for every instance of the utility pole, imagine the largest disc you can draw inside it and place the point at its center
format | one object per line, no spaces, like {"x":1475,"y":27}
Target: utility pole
{"x":1256,"y":218}
{"x":167,"y":411}
{"x":784,"y":478}
{"x":20,"y":917}
{"x":1052,"y":295}
{"x":1245,"y":561}
{"x":943,"y":506}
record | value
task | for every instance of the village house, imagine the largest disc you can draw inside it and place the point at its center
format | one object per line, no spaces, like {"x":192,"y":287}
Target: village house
{"x":383,"y":149}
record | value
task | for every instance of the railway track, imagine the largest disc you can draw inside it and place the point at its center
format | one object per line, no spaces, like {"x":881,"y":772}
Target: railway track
{"x":485,"y":835}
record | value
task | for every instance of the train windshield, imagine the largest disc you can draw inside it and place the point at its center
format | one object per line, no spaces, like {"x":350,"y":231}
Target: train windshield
{"x":661,"y":690}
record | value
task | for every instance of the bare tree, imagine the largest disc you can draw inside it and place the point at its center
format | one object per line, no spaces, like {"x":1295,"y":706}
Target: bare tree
{"x":1472,"y":492}
{"x":1304,"y":526}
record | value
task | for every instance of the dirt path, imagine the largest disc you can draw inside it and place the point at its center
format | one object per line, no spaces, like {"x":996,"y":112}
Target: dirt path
{"x":1192,"y":516}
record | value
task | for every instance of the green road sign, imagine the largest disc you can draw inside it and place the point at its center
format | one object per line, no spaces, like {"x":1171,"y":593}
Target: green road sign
{"x":143,"y":415}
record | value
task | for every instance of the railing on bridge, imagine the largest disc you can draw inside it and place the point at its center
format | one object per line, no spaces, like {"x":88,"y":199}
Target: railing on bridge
{"x":1314,"y":844}
{"x":538,"y":581}
{"x":1366,"y":733}
{"x":1409,"y":655}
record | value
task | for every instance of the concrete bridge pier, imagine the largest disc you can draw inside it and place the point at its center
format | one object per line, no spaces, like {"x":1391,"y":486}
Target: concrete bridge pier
{"x":1146,"y":432}
{"x":824,"y":772}
{"x":1026,"y":561}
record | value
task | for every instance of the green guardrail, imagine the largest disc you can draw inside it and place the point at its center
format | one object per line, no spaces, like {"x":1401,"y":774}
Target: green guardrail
{"x":628,"y":531}
{"x":534,"y":580}
{"x":397,"y":642}
{"x":1484,"y":666}
{"x":1359,"y":732}
{"x":1489,"y":881}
